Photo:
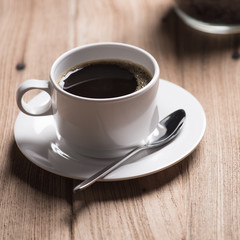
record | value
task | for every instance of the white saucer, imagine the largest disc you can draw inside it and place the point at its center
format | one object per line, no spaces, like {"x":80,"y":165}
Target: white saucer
{"x":35,"y":137}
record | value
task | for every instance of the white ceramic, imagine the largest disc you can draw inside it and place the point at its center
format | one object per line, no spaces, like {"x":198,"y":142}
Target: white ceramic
{"x":36,"y":138}
{"x":100,"y":127}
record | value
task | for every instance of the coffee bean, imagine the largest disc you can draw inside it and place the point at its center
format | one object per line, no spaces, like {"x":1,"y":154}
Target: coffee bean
{"x":20,"y":66}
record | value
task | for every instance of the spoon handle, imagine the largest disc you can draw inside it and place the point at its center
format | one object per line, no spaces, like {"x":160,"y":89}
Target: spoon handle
{"x":103,"y":172}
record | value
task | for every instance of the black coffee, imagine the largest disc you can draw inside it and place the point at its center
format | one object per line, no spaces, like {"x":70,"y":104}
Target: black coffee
{"x":104,"y":79}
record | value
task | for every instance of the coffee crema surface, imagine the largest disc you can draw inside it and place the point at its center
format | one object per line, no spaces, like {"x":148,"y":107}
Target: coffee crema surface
{"x":104,"y":78}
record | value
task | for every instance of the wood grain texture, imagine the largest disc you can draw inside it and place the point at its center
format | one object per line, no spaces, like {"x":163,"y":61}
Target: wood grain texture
{"x":198,"y":198}
{"x":30,"y":197}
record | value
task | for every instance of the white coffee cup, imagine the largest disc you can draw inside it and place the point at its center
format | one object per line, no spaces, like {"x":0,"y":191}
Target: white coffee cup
{"x":107,"y":127}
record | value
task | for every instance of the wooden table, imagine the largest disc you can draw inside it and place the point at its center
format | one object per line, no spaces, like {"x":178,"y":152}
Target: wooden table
{"x":198,"y":198}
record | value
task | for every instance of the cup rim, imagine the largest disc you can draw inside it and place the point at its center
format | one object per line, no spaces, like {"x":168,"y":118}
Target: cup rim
{"x":154,"y":79}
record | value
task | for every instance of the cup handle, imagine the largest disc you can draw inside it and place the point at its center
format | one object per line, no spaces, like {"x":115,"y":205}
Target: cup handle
{"x":41,"y":110}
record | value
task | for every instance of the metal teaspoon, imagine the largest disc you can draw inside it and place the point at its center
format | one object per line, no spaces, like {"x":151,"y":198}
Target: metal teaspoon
{"x":172,"y":124}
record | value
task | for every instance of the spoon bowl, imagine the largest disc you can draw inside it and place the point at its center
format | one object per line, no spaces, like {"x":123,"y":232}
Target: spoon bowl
{"x":172,"y":125}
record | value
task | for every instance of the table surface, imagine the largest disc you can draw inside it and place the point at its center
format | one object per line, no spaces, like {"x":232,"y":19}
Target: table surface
{"x":198,"y":198}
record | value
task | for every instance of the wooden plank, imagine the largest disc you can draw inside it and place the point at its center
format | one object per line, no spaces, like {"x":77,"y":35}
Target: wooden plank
{"x":34,"y":203}
{"x":211,"y":74}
